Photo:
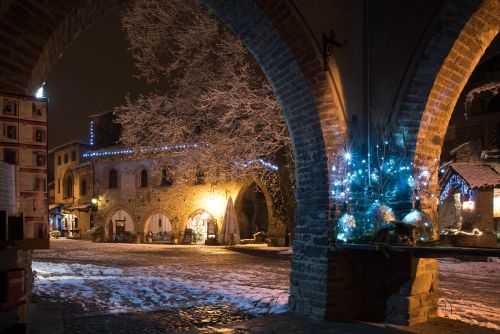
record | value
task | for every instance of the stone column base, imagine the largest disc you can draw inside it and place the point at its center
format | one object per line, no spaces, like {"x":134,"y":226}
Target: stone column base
{"x":370,"y":286}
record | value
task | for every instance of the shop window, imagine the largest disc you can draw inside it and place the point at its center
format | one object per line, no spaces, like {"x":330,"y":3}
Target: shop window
{"x":144,"y":179}
{"x":59,"y":160}
{"x":73,"y":155}
{"x":10,"y":155}
{"x":39,"y":135}
{"x":83,"y":188}
{"x":113,"y":179}
{"x":66,"y":158}
{"x":165,"y":178}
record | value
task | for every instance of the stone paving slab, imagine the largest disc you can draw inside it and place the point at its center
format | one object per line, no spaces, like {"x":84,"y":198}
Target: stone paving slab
{"x":48,"y":319}
{"x":287,"y":323}
{"x":45,"y":319}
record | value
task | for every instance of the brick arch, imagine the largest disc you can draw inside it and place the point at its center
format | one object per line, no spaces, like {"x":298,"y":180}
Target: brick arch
{"x":463,"y":32}
{"x":279,"y":42}
{"x":285,"y":51}
{"x":474,"y":39}
{"x":110,"y":212}
{"x":144,"y":224}
{"x":242,"y":192}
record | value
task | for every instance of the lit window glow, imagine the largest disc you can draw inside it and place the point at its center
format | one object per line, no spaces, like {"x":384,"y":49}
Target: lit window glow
{"x":468,"y":205}
{"x":496,"y":202}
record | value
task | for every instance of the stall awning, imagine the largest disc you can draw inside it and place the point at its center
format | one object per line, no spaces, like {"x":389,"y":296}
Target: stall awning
{"x":82,"y":207}
{"x":55,"y":206}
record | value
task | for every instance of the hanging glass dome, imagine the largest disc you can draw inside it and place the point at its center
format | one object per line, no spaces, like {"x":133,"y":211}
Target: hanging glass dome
{"x":378,"y":216}
{"x":345,"y":227}
{"x":425,"y":229}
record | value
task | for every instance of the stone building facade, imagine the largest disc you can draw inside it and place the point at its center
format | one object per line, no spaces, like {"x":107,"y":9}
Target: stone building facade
{"x":143,"y":195}
{"x":109,"y":194}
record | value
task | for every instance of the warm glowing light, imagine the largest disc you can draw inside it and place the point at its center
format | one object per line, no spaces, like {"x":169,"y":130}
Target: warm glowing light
{"x":468,"y":205}
{"x":94,"y":200}
{"x":454,"y":231}
{"x":496,"y":202}
{"x":214,"y":204}
{"x":40,"y":93}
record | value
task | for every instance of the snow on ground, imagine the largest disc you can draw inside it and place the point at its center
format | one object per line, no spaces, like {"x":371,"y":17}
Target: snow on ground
{"x":114,"y":278}
{"x":109,"y":289}
{"x":470,"y":292}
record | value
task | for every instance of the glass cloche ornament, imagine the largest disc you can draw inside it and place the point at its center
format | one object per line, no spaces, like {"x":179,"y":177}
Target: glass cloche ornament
{"x":378,"y":216}
{"x":423,"y":223}
{"x":345,"y":227}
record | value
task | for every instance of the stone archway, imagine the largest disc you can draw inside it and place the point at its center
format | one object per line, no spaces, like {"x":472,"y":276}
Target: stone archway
{"x":124,"y":217}
{"x":464,"y":55}
{"x":461,"y":35}
{"x":252,"y":210}
{"x":157,"y":226}
{"x":292,"y":63}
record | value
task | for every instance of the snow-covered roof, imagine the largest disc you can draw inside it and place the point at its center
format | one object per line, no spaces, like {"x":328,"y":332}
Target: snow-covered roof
{"x":73,"y":142}
{"x":476,"y":174}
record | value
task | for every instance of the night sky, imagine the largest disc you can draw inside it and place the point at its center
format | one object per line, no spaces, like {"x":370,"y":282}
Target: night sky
{"x":93,"y":76}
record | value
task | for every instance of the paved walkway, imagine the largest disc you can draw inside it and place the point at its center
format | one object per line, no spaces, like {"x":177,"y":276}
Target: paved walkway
{"x":48,"y":319}
{"x":45,"y":319}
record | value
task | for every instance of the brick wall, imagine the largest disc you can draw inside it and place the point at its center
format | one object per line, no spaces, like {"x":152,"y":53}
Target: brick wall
{"x":282,"y":50}
{"x":376,"y":287}
{"x":484,"y":209}
{"x":463,"y":31}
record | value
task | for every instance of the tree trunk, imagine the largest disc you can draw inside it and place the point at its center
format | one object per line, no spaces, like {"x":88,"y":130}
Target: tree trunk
{"x":287,"y":190}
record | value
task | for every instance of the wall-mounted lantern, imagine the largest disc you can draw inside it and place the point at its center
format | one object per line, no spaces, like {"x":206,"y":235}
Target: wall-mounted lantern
{"x":329,"y":43}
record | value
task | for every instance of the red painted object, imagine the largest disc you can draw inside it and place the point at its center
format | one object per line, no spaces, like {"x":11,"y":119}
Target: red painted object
{"x":12,"y":289}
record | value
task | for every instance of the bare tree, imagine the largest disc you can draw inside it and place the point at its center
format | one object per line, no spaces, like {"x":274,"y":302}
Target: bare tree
{"x":218,"y":101}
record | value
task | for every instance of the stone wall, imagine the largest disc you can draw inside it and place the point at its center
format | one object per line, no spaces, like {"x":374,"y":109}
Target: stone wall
{"x":378,"y":287}
{"x":177,"y":201}
{"x":484,"y":210}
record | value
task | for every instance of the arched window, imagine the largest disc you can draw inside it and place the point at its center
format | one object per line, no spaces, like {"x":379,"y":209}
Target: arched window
{"x":68,"y":187}
{"x":113,"y":179}
{"x":83,"y":187}
{"x":144,"y":179}
{"x":165,"y":178}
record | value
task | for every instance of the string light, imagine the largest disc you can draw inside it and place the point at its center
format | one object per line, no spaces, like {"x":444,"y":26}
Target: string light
{"x":453,"y":183}
{"x":92,"y":134}
{"x":109,"y":153}
{"x":454,"y":231}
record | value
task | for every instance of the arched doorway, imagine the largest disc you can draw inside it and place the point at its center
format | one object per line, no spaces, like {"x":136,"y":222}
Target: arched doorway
{"x":157,"y":228}
{"x":197,"y":226}
{"x":119,"y":226}
{"x":252,"y":211}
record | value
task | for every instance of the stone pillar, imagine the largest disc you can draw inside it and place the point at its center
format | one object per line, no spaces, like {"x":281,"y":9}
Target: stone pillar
{"x":309,"y":276}
{"x":378,"y":286}
{"x":417,"y":299}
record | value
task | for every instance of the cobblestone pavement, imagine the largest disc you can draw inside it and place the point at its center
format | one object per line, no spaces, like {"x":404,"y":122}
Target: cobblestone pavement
{"x":129,"y":288}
